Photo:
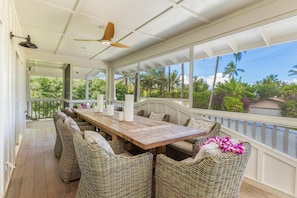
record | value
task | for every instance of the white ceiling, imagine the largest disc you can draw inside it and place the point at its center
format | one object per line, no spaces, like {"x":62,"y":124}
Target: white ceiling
{"x":53,"y":24}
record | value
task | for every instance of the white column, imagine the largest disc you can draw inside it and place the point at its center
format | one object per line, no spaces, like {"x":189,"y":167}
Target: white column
{"x":28,"y":94}
{"x":71,"y":80}
{"x":87,"y":89}
{"x":138,"y":82}
{"x":191,"y":77}
{"x":110,"y":85}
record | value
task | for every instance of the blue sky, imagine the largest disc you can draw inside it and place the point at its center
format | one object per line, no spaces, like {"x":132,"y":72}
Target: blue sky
{"x":257,"y":63}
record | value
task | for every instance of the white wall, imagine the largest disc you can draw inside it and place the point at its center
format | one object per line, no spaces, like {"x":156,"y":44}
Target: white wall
{"x":8,"y":89}
{"x":265,"y":111}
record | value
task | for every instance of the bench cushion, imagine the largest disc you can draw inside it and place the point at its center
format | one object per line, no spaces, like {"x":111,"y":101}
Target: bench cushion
{"x":182,"y":146}
{"x":157,"y":116}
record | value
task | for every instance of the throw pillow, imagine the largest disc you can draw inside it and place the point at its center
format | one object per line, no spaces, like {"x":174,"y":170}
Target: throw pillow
{"x":208,"y":149}
{"x":200,"y":124}
{"x":225,"y":144}
{"x":68,"y":109}
{"x":95,"y":138}
{"x":69,"y":122}
{"x":157,"y":116}
{"x":62,"y":115}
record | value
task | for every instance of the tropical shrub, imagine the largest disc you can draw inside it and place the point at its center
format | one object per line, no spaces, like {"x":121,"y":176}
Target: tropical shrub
{"x":289,"y":109}
{"x":201,"y":99}
{"x":232,"y":104}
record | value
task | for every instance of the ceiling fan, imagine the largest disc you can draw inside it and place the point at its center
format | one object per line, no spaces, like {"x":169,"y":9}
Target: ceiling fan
{"x":107,"y":36}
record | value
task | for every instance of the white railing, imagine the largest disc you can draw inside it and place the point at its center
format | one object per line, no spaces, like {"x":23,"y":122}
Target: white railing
{"x":43,"y":108}
{"x":77,"y":103}
{"x":276,"y":132}
{"x":273,"y":160}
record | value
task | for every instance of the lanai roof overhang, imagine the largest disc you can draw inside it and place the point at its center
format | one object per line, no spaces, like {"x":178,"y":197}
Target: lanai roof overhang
{"x":278,"y":32}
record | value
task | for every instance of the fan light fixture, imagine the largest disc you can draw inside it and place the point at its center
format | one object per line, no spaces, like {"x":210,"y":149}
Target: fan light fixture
{"x":105,"y":42}
{"x":107,"y":36}
{"x":26,"y":43}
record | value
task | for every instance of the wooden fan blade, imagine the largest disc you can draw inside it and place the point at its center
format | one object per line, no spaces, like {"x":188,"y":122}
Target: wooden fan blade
{"x":97,"y":40}
{"x":109,"y":32}
{"x":119,"y":45}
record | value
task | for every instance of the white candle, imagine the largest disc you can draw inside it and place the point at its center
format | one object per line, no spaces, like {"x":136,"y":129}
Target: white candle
{"x":129,"y":107}
{"x":100,"y":102}
{"x":110,"y":110}
{"x":96,"y":108}
{"x":121,"y":116}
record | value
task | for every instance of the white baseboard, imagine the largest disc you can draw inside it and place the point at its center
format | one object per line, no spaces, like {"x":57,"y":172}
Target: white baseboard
{"x":266,"y":188}
{"x":17,"y":146}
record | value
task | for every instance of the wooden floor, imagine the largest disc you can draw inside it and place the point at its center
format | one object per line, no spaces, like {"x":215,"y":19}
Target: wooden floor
{"x":36,"y":174}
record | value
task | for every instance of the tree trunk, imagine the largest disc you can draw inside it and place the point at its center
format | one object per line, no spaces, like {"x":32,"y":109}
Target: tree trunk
{"x":183,"y":81}
{"x":135,"y":87}
{"x":126,"y":83}
{"x":169,"y":81}
{"x":213,"y":83}
{"x":163,"y":83}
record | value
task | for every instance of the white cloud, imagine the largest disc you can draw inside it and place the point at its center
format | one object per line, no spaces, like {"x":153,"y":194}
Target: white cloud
{"x":291,"y":81}
{"x":208,"y":79}
{"x":220,"y":78}
{"x":186,"y":79}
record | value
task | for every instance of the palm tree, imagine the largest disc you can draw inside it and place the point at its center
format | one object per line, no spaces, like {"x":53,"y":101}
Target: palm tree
{"x":174,"y":80}
{"x":231,"y":69}
{"x":199,"y":85}
{"x":238,"y":57}
{"x":271,"y":79}
{"x":293,"y":71}
{"x":270,"y":86}
{"x":147,"y":81}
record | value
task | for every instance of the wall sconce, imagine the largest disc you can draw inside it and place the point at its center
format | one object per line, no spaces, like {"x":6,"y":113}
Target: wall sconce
{"x":26,"y":43}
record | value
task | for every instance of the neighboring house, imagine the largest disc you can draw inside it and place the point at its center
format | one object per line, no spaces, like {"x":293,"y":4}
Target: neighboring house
{"x":269,"y":106}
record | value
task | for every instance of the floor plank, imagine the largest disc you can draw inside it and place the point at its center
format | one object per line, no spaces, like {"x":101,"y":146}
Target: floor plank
{"x":40,"y":187}
{"x":36,"y":174}
{"x":27,"y":188}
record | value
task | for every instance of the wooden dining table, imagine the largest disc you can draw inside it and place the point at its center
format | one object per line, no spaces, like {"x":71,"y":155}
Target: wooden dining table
{"x":142,"y":131}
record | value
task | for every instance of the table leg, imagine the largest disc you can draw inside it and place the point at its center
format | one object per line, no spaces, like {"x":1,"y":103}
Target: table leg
{"x":114,"y":137}
{"x":161,"y":149}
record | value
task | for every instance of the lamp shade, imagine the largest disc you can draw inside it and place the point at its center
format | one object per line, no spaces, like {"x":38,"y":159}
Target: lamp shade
{"x":28,"y":43}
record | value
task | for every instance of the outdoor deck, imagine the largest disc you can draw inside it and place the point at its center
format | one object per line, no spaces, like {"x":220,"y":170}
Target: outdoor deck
{"x":36,"y":172}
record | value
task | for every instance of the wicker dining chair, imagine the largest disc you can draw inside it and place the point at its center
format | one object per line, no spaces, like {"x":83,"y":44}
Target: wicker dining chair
{"x":58,"y":144}
{"x":109,"y":175}
{"x":211,"y":176}
{"x":68,"y":111}
{"x":68,"y":166}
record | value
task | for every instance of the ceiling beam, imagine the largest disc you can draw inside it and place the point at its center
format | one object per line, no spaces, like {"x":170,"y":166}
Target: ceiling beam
{"x":265,"y":37}
{"x":68,"y":27}
{"x":233,"y":45}
{"x":56,"y":6}
{"x":74,"y":61}
{"x":207,"y":50}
